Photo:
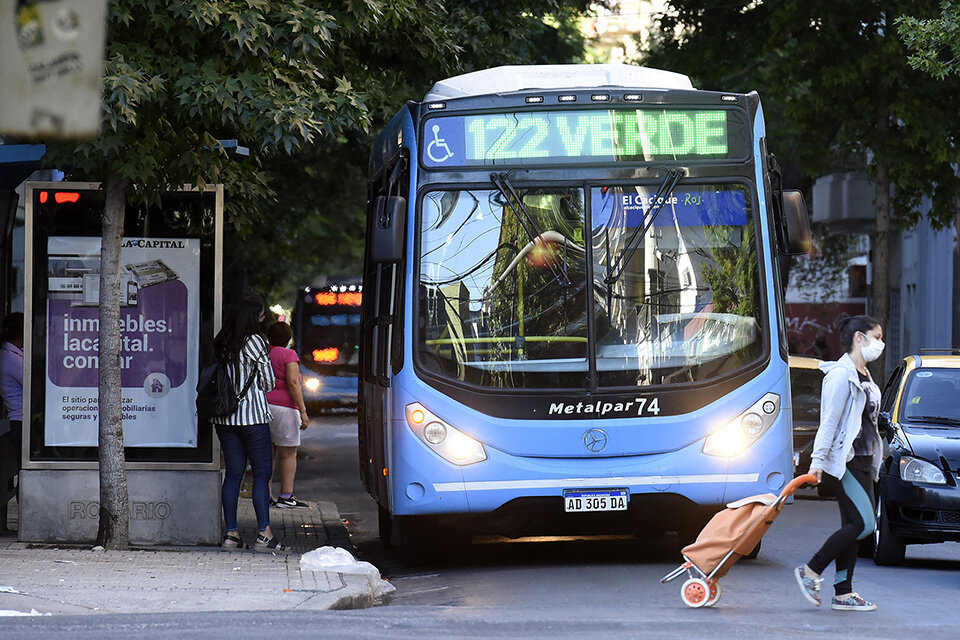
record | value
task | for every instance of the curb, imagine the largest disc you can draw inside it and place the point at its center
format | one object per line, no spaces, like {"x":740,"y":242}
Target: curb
{"x":337,"y":534}
{"x":71,"y":580}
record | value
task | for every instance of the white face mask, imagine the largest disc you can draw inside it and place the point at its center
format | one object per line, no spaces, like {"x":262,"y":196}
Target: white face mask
{"x":872,"y":350}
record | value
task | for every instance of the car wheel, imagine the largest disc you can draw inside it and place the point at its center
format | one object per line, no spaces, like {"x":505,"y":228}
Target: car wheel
{"x":888,"y":549}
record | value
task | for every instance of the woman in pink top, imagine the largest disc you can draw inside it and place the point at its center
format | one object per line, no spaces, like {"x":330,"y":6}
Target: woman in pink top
{"x":288,"y":410}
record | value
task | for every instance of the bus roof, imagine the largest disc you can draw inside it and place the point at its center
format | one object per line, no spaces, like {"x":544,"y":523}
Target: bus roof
{"x":555,"y":76}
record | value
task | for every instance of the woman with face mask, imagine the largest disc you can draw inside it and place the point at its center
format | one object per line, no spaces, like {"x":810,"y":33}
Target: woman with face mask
{"x":846,"y":459}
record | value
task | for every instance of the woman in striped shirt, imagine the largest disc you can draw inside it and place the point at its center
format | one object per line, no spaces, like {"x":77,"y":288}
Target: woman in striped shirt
{"x":245,"y":434}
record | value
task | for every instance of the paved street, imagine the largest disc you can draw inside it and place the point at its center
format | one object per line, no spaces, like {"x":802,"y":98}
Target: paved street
{"x":560,"y":589}
{"x":614,"y":584}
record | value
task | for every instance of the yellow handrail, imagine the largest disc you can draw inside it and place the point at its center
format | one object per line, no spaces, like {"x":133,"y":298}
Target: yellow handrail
{"x":499,"y":340}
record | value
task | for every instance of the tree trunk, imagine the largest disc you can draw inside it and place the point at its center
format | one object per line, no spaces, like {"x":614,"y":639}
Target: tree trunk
{"x":880,"y":259}
{"x":880,"y":243}
{"x":955,"y":335}
{"x":114,"y":531}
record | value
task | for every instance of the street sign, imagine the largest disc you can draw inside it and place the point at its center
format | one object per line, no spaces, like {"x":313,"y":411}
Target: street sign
{"x":52,"y":71}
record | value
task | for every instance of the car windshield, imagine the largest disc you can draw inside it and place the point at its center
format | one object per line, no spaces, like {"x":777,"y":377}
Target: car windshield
{"x":505,"y":297}
{"x":932,"y":395}
{"x":805,"y":386}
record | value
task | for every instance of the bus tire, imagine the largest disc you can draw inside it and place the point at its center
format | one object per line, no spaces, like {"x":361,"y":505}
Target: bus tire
{"x":418,"y":542}
{"x":385,"y":527}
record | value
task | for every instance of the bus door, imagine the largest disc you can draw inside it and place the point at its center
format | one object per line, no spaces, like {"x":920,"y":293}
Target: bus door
{"x":381,"y":353}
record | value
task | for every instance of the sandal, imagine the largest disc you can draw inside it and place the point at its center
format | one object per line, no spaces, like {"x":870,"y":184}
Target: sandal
{"x":269,"y":545}
{"x":233,"y":543}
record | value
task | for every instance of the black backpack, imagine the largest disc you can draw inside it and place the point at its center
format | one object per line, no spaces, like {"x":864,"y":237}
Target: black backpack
{"x":216,"y":394}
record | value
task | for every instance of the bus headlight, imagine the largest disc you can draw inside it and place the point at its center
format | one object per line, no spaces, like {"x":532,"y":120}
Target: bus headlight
{"x":737,"y":435}
{"x":447,"y":442}
{"x":312,"y":384}
{"x":435,"y":433}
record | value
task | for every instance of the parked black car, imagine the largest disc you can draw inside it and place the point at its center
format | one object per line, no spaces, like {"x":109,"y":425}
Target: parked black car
{"x":919,"y":489}
{"x":806,"y":381}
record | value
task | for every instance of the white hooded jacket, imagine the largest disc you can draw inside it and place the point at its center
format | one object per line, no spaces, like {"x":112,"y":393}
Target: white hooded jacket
{"x":841,"y":409}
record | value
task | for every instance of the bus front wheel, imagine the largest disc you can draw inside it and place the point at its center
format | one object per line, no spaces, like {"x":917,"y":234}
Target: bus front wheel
{"x":417,"y":541}
{"x":385,"y":526}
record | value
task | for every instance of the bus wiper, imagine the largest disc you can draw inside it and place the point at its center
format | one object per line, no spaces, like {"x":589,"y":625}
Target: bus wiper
{"x":616,"y":270}
{"x":510,"y":195}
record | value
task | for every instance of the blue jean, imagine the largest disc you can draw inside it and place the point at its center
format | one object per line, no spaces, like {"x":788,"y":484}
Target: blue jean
{"x":239,"y":444}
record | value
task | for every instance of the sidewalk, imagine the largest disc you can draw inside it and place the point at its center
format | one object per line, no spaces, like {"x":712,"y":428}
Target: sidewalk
{"x":78,"y":580}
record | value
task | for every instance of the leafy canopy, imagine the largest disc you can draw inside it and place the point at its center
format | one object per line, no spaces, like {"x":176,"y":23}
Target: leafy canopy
{"x":304,"y":85}
{"x":316,"y":221}
{"x":829,"y":73}
{"x":934,"y":42}
{"x":180,"y":76}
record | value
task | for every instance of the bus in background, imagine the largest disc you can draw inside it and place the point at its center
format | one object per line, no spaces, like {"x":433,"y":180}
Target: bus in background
{"x":573,"y":313}
{"x":326,"y":335}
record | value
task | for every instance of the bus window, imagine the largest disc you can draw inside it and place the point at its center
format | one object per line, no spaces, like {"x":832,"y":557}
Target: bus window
{"x":686,"y":307}
{"x":503,"y":287}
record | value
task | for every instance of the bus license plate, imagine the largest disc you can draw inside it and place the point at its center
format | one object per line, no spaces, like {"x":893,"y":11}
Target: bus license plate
{"x":578,"y":500}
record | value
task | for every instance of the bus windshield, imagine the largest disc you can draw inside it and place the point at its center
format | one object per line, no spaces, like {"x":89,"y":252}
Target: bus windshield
{"x":538,"y":301}
{"x":328,"y":333}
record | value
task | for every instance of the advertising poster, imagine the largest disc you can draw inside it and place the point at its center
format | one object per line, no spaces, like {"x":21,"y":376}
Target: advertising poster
{"x":159,"y":325}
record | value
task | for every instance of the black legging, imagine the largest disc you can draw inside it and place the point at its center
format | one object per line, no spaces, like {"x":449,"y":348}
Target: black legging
{"x":854,"y":493}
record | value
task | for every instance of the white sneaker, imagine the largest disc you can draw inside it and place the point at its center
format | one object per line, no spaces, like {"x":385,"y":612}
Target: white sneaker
{"x":852,"y":602}
{"x":809,"y":586}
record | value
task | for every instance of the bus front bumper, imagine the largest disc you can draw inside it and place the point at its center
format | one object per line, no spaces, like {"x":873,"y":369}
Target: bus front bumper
{"x":423,"y":483}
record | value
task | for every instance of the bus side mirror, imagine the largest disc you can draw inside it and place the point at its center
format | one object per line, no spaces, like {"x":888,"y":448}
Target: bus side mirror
{"x":794,"y":223}
{"x":390,"y":214}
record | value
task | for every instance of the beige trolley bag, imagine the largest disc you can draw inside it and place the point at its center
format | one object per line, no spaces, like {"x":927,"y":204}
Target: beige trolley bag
{"x":731,"y":534}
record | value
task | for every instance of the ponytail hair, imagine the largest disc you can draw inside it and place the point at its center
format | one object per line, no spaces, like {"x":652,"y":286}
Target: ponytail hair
{"x":850,"y":325}
{"x":239,"y":323}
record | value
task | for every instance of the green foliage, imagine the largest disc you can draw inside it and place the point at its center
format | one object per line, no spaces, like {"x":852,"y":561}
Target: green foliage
{"x":829,"y":73}
{"x":304,"y":85}
{"x":320,"y":193}
{"x":179,"y":76}
{"x":934,"y":42}
{"x":734,"y":277}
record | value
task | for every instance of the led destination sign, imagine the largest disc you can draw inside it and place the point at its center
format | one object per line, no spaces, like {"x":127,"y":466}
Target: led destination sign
{"x":563,"y":137}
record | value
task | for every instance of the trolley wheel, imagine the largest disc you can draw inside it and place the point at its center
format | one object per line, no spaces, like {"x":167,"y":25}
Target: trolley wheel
{"x":695,"y":592}
{"x":715,"y":591}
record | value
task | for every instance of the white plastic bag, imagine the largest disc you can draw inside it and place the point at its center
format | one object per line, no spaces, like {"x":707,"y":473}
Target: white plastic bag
{"x":339,"y":560}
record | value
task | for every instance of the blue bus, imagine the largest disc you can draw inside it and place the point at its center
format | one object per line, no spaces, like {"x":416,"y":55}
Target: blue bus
{"x":326,"y":336}
{"x":573,"y":307}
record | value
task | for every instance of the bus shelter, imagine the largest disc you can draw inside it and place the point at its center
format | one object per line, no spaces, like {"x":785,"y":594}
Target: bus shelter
{"x":170,"y":307}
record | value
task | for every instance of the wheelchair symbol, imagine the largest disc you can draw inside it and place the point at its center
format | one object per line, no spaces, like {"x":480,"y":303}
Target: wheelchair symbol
{"x":437,"y":145}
